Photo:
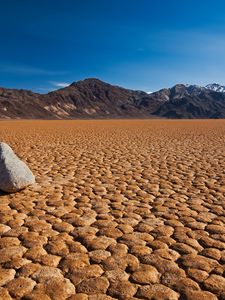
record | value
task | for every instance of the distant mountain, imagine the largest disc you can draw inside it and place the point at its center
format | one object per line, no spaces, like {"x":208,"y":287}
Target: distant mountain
{"x":190,"y":101}
{"x":89,"y":98}
{"x":216,"y":87}
{"x":18,"y":104}
{"x":93,"y":98}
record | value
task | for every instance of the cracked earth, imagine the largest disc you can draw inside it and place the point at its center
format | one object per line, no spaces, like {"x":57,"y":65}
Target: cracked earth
{"x":120,"y":210}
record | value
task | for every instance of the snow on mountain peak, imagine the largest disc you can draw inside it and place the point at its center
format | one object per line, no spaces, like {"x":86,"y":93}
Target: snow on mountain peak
{"x":216,"y":87}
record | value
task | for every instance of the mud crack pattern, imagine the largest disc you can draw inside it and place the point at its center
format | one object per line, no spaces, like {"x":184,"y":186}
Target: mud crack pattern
{"x":121,"y":210}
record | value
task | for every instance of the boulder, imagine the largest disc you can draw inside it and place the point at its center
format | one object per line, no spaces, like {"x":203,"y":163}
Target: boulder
{"x":14,"y":173}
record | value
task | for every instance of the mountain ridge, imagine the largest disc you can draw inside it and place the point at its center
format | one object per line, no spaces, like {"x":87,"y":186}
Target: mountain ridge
{"x":94,"y":98}
{"x":216,"y":87}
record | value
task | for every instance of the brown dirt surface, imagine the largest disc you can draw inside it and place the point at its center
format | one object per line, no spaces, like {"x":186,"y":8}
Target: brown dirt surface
{"x":121,"y":209}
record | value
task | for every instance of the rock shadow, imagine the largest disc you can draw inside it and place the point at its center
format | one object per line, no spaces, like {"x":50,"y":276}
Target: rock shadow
{"x":3,"y":193}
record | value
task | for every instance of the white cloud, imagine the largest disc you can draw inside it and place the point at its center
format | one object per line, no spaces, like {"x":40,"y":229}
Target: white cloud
{"x":54,"y":86}
{"x":59,"y":84}
{"x":44,"y":90}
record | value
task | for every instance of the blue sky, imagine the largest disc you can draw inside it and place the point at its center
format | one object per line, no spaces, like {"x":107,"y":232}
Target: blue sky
{"x":138,"y":44}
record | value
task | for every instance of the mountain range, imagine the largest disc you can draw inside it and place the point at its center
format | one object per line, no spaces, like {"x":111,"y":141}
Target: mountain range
{"x":93,"y":98}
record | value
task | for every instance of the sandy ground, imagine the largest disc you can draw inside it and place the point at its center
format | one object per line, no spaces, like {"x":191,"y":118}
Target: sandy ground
{"x":121,"y":210}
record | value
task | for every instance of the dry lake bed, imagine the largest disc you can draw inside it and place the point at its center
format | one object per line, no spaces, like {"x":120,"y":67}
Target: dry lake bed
{"x":121,"y":209}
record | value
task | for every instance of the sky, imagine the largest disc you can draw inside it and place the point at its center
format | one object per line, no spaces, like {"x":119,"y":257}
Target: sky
{"x":138,"y":44}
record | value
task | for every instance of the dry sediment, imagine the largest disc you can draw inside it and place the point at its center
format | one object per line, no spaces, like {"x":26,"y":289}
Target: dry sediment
{"x":121,"y":210}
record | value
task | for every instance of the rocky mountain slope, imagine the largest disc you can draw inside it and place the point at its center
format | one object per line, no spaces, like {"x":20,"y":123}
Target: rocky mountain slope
{"x":93,"y":98}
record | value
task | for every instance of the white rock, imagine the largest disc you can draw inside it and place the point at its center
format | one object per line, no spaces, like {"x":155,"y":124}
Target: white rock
{"x":14,"y":173}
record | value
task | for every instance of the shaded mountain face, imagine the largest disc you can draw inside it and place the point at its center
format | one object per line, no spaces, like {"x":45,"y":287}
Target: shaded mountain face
{"x":93,"y":98}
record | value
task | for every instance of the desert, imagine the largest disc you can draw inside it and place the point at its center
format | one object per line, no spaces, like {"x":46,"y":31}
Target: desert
{"x":121,"y":209}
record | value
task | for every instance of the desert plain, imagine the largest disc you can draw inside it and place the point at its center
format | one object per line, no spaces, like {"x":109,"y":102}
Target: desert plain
{"x":121,"y":209}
